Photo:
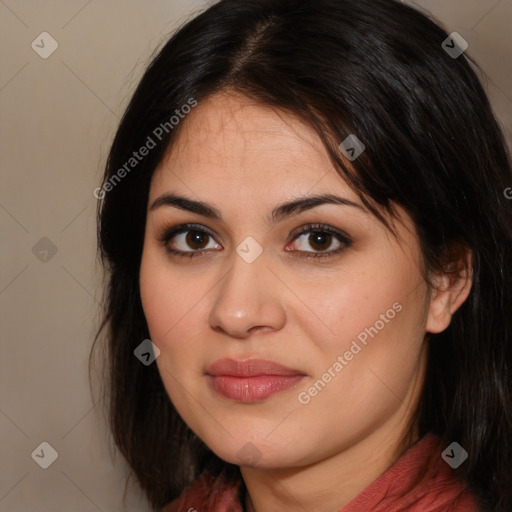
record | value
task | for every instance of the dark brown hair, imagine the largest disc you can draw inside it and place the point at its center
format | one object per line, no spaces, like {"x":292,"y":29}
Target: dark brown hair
{"x":375,"y":68}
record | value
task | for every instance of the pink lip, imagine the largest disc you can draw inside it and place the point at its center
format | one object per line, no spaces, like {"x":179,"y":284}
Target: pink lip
{"x":252,"y":380}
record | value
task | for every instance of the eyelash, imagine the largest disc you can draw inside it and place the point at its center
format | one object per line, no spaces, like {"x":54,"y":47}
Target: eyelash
{"x":308,"y":228}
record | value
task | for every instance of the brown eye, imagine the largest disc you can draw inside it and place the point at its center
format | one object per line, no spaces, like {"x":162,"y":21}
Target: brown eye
{"x":314,"y":241}
{"x":191,"y":240}
{"x":318,"y":240}
{"x":196,"y":239}
{"x":188,"y":241}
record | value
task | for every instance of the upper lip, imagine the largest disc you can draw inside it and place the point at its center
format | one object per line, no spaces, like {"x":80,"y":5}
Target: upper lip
{"x":249,"y":368}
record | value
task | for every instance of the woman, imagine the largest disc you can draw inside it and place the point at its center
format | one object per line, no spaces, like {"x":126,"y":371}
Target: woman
{"x":307,"y":237}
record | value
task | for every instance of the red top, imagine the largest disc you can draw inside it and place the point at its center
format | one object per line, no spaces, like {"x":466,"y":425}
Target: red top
{"x":419,"y":481}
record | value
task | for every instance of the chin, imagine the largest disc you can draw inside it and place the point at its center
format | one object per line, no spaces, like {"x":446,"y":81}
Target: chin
{"x":257,"y":453}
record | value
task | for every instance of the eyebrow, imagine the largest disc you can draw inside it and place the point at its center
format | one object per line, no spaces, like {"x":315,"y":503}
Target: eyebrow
{"x":278,"y":213}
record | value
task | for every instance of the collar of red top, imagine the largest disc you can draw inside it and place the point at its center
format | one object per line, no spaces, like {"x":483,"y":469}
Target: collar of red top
{"x":419,"y":481}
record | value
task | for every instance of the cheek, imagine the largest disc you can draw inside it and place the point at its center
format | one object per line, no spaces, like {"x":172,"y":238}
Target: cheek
{"x":168,"y":312}
{"x":375,"y":320}
{"x":355,"y":304}
{"x":380,"y":346}
{"x":174,"y":306}
{"x":168,"y":299}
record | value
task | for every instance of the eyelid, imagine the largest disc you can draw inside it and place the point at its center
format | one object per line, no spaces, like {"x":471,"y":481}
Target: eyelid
{"x":168,"y":233}
{"x":319,"y":227}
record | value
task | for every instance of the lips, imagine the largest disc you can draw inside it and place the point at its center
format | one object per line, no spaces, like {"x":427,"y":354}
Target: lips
{"x":252,"y":380}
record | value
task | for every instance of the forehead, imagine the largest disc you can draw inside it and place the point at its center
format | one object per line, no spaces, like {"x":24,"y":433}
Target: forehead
{"x":230,"y":118}
{"x":235,"y":144}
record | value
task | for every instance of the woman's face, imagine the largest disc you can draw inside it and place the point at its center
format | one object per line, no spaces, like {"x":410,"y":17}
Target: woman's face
{"x":336,"y":314}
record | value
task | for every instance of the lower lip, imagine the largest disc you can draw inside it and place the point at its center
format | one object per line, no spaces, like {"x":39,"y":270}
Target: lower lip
{"x":252,"y":389}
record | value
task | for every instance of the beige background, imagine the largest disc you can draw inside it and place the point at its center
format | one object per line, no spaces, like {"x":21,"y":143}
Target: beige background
{"x":58,"y":116}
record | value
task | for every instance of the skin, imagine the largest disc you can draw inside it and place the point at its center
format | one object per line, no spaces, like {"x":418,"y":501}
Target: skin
{"x":245,"y":159}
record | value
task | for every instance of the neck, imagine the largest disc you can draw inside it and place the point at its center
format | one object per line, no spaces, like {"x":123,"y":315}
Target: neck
{"x":321,"y":488}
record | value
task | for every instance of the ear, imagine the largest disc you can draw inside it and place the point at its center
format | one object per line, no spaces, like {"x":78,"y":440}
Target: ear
{"x":449,"y":291}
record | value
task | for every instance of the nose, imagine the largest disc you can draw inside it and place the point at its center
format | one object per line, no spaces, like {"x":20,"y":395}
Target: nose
{"x":248,"y":300}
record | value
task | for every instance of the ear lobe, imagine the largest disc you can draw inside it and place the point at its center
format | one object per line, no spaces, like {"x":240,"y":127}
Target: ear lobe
{"x":449,"y":291}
